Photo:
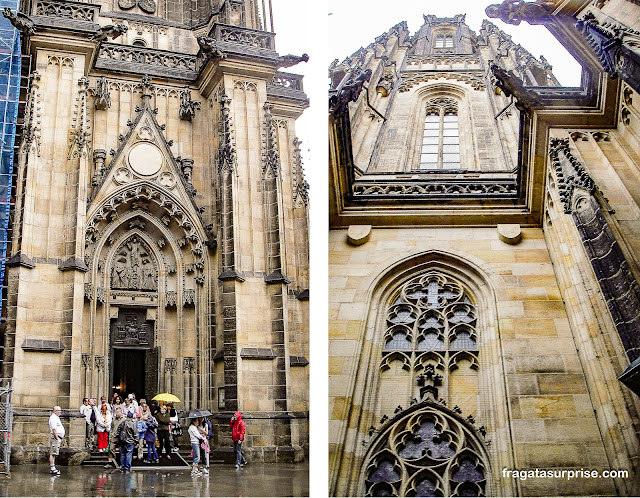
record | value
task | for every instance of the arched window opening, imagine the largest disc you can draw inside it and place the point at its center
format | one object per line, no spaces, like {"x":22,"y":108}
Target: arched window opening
{"x":441,"y":137}
{"x":429,"y":365}
{"x":444,"y":41}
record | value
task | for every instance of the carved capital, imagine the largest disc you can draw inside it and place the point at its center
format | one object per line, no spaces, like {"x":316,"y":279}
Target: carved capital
{"x":189,"y":297}
{"x":99,"y":363}
{"x":188,"y":364}
{"x":101,"y":295}
{"x":170,"y":365}
{"x":86,"y":361}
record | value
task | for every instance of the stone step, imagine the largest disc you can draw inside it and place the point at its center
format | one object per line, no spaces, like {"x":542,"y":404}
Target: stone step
{"x":222,"y":456}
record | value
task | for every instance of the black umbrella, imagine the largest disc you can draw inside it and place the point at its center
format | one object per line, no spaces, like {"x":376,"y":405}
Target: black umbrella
{"x":196,"y":413}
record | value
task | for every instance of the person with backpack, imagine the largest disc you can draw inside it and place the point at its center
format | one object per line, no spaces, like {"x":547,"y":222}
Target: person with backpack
{"x":238,"y":428}
{"x":164,"y":426}
{"x":127,"y":435}
{"x":91,"y":416}
{"x":113,"y":440}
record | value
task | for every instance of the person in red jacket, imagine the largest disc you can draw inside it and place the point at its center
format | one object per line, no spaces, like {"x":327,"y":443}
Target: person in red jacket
{"x":237,"y":434}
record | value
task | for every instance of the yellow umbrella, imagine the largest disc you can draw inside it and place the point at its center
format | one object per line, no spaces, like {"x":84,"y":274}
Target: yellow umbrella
{"x":167,"y":398}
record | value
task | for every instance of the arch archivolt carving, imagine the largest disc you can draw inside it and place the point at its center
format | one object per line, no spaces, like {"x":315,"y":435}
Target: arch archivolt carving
{"x":163,"y":210}
{"x":177,"y":267}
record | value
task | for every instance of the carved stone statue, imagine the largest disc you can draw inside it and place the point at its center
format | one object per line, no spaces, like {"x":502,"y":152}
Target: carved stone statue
{"x":291,"y":60}
{"x":20,"y":21}
{"x":187,"y":109}
{"x":102,"y":96}
{"x":133,"y":267}
{"x":209,"y":47}
{"x":339,"y":103}
{"x":148,"y":6}
{"x":516,"y":11}
{"x":109,"y":31}
{"x":512,"y":85}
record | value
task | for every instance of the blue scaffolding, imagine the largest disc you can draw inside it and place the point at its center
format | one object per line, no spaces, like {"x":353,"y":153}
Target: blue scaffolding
{"x":10,"y":71}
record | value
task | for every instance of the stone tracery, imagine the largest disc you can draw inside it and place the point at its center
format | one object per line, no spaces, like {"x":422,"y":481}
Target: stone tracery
{"x":426,"y":450}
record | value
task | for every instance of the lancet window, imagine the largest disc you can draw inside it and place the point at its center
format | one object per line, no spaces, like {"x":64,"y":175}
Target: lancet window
{"x":444,"y":41}
{"x":430,"y":366}
{"x":441,"y":137}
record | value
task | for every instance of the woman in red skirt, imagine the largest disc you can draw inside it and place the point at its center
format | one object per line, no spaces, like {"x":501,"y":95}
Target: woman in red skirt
{"x":103,"y":421}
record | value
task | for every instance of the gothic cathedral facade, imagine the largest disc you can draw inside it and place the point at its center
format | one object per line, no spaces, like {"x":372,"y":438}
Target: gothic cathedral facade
{"x":484,"y":258}
{"x":160,"y":229}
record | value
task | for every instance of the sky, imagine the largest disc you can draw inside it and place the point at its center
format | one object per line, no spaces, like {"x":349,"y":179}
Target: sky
{"x":346,"y":37}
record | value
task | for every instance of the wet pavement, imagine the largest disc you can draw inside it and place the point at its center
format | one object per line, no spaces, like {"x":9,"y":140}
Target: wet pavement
{"x":256,"y":479}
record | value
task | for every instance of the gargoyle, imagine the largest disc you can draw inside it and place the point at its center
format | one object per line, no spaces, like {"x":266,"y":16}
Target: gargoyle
{"x":210,"y":48}
{"x":291,"y":60}
{"x":20,"y":21}
{"x":516,"y":11}
{"x":109,"y":31}
{"x":512,"y":85}
{"x":339,"y":103}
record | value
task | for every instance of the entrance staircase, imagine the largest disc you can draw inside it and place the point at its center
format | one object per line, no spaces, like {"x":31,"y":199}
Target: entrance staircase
{"x":97,"y":459}
{"x":100,"y":459}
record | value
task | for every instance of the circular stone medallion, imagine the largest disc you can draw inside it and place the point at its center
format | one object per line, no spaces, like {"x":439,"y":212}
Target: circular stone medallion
{"x":145,"y":159}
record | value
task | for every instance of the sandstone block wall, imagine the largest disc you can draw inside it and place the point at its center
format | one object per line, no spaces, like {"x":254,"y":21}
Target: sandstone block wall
{"x":546,"y":402}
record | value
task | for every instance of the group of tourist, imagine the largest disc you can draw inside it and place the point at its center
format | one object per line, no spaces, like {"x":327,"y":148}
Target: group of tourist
{"x":123,"y":425}
{"x":148,"y":425}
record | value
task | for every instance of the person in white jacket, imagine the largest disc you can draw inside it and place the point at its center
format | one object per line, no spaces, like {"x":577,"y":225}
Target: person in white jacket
{"x":103,"y":423}
{"x":85,"y":411}
{"x":90,"y":413}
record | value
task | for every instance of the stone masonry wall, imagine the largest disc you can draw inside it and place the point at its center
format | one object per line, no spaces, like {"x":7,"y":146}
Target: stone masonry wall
{"x":546,"y":419}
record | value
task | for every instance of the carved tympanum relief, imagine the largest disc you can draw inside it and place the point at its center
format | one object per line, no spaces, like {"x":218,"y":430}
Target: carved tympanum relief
{"x":133,"y":267}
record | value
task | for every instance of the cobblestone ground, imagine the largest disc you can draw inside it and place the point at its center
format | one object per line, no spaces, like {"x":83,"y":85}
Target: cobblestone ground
{"x":254,"y":480}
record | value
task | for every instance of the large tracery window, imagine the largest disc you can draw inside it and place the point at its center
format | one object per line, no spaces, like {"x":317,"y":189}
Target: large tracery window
{"x":441,"y":137}
{"x":431,"y":325}
{"x":429,"y":366}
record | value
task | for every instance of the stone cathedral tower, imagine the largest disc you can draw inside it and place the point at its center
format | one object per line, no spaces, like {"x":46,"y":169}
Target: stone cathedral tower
{"x":484,"y":305}
{"x":160,"y":224}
